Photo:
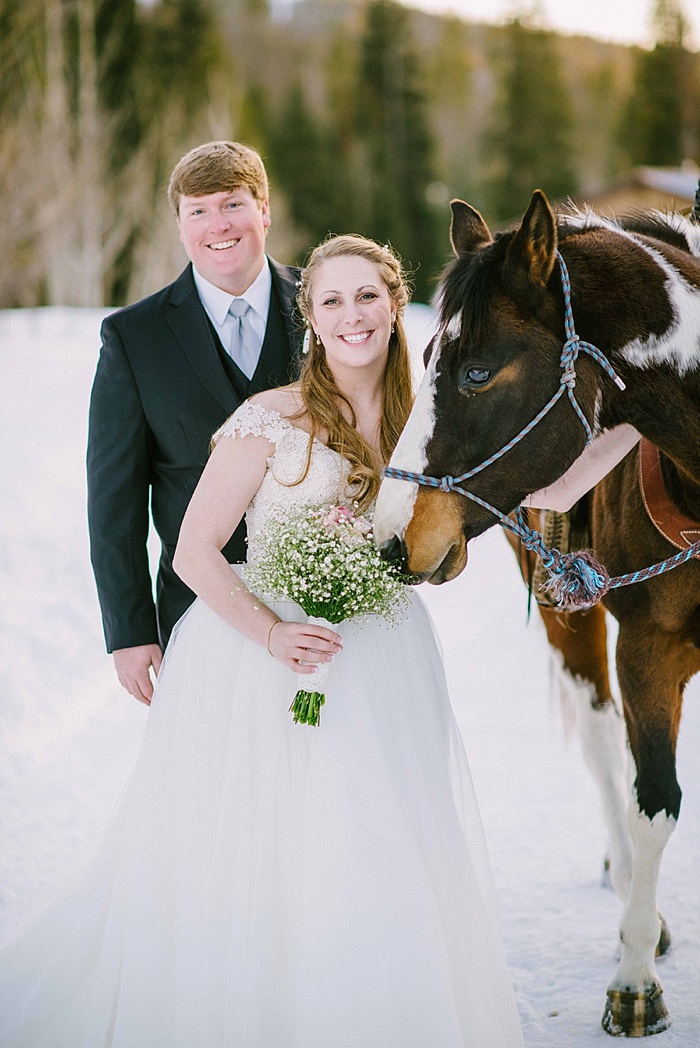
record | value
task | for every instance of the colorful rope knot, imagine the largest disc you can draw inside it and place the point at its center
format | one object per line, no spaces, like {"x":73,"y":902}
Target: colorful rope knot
{"x":532,"y":540}
{"x":574,"y":578}
{"x":567,"y":361}
{"x":577,"y":579}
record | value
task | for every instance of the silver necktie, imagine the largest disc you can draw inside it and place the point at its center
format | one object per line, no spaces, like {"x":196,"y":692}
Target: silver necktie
{"x":245,"y":344}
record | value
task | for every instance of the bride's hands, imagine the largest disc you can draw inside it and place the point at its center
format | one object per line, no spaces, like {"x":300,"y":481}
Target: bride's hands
{"x":302,"y":645}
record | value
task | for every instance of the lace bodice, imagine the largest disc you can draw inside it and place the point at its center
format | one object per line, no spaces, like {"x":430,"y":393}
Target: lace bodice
{"x":324,"y":484}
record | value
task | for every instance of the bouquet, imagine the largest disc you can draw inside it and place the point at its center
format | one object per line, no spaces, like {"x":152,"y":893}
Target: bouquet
{"x":326,"y":562}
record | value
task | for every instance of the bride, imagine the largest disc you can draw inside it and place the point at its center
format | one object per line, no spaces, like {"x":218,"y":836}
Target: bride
{"x":264,"y":884}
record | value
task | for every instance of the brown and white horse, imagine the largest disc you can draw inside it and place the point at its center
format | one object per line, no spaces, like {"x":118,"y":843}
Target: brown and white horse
{"x":496,"y":361}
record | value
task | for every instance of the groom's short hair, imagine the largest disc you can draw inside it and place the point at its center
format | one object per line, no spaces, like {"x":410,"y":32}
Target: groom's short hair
{"x":217,"y":167}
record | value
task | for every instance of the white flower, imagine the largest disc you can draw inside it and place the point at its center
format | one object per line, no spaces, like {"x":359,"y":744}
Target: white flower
{"x":326,"y":562}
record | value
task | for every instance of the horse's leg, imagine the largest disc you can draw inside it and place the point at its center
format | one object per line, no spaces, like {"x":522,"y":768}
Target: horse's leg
{"x":580,"y":661}
{"x":652,"y":687}
{"x":581,"y":665}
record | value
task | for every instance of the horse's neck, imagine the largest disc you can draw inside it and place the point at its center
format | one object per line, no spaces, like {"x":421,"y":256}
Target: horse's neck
{"x":662,"y":370}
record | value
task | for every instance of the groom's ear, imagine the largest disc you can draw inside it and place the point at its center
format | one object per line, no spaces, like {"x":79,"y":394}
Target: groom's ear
{"x":265,"y":208}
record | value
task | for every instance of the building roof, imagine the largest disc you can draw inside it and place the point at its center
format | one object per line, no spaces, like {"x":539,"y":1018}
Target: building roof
{"x":644,"y":189}
{"x":679,"y":182}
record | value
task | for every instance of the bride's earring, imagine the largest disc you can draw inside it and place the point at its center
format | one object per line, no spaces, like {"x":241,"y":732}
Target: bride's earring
{"x":318,"y":340}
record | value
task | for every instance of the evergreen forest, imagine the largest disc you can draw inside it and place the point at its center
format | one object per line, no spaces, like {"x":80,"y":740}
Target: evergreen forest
{"x":370,"y":117}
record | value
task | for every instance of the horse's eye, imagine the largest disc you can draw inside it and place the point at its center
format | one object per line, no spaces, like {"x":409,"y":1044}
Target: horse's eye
{"x":476,"y":376}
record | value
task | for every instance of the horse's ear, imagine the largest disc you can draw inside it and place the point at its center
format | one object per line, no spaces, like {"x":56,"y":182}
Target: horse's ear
{"x":534,"y":246}
{"x":468,"y":230}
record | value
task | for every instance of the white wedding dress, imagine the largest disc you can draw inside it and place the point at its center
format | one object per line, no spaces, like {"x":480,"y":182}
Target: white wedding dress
{"x":265,"y":884}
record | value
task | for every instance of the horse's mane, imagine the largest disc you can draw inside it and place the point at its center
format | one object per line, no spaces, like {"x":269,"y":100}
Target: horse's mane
{"x":468,"y":282}
{"x":467,"y":286}
{"x":667,"y":227}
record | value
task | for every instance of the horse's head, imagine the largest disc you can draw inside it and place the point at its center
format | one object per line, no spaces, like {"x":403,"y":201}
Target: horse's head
{"x":493,"y":365}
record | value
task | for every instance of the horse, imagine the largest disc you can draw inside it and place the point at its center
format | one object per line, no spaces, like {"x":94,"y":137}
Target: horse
{"x":580,"y":675}
{"x":513,"y":391}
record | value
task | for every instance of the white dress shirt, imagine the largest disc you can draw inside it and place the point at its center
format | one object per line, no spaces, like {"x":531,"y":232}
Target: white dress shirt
{"x":216,"y":304}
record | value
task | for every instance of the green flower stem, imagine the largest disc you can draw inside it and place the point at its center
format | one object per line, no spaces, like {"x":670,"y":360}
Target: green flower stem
{"x":307,"y":707}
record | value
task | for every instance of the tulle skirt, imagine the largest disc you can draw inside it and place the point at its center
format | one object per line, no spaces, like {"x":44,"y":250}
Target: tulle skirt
{"x":265,"y":884}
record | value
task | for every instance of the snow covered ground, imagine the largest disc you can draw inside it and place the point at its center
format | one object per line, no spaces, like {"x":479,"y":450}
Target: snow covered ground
{"x":70,"y":735}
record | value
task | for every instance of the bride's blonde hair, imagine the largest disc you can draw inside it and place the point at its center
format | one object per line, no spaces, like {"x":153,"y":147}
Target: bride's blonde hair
{"x":322,"y":397}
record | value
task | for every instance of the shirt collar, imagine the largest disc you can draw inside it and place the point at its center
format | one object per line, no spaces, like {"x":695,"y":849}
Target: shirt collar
{"x":217,"y":302}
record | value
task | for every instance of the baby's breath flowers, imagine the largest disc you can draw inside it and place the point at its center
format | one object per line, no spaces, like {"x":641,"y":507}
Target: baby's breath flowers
{"x":326,"y":562}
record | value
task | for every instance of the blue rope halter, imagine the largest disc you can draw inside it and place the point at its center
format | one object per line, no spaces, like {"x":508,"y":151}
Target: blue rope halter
{"x":574,"y":578}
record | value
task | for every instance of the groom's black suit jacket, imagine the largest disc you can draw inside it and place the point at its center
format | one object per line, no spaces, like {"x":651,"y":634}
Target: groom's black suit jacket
{"x":163,"y":386}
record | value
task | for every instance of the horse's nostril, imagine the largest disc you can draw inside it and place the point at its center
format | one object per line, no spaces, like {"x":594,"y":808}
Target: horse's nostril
{"x":394,"y":550}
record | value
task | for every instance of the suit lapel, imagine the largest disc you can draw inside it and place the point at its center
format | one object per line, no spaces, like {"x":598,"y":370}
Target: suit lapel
{"x":188,"y":322}
{"x":286,"y":280}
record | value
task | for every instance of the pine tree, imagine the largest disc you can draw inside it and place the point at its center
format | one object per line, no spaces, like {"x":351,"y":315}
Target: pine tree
{"x":396,"y":146}
{"x":118,"y":43}
{"x":254,"y":125}
{"x":182,"y":50}
{"x":657,"y":125}
{"x":452,"y":111}
{"x":304,"y":161}
{"x":529,"y":140}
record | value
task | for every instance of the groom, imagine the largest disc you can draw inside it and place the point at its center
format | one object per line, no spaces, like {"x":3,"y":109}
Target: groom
{"x":172,"y":367}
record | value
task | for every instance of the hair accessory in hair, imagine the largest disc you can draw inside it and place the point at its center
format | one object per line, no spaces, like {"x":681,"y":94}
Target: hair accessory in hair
{"x":306,"y":344}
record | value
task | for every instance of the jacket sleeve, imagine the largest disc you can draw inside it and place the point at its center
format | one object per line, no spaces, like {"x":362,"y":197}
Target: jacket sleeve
{"x":118,"y":474}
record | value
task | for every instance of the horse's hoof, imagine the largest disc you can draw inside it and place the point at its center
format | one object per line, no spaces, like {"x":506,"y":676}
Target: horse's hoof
{"x":664,"y":943}
{"x":635,"y":1014}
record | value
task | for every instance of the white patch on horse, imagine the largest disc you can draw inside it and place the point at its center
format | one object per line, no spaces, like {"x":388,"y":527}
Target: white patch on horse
{"x":640,"y":926}
{"x":603,"y":738}
{"x":679,"y":346}
{"x":397,"y":498}
{"x":453,"y":328}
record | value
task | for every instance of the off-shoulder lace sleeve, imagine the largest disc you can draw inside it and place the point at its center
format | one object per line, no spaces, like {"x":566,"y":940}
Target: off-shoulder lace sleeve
{"x":252,"y":419}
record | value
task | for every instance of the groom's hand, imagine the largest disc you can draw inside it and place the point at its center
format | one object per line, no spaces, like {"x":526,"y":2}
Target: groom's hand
{"x":133,"y":666}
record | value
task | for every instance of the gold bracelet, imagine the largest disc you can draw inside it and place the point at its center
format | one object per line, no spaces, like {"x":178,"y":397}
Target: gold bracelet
{"x":269,"y":634}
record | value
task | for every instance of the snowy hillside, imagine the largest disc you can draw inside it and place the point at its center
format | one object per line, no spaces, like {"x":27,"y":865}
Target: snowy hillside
{"x":69,"y":734}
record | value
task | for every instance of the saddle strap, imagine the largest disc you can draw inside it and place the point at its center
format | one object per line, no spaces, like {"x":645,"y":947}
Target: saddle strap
{"x":675,"y":527}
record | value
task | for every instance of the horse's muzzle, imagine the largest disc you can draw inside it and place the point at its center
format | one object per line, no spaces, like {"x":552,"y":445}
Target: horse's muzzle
{"x":394,"y":551}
